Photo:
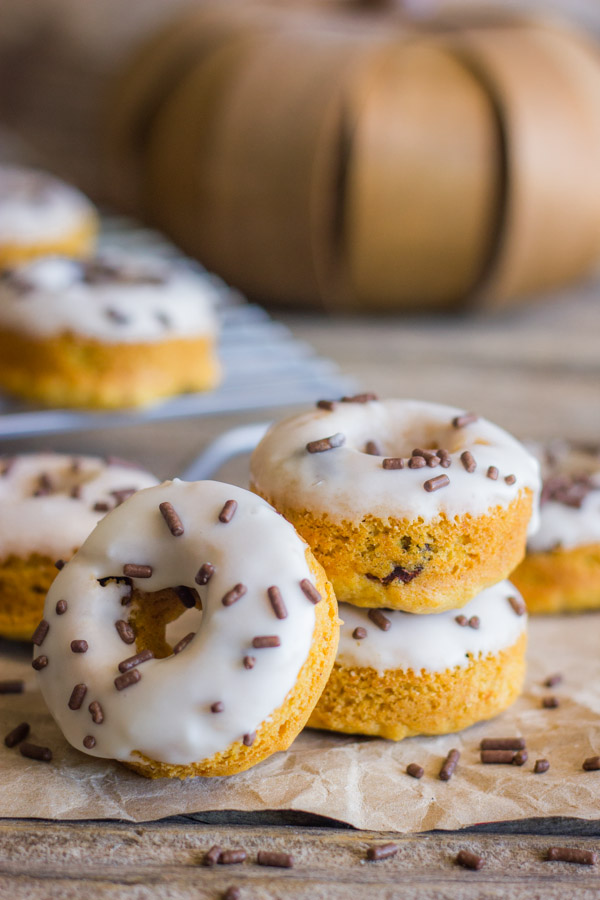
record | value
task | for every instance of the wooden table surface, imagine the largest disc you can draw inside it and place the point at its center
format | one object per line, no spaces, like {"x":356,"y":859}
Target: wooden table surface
{"x":535,"y":371}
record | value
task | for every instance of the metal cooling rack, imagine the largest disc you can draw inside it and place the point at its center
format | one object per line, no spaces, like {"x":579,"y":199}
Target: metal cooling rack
{"x":264,"y":365}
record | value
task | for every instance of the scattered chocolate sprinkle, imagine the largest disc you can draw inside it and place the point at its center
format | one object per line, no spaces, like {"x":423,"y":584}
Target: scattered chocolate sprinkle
{"x":510,"y":479}
{"x":379,"y":619}
{"x":228,"y":511}
{"x":97,"y":712}
{"x":591,"y":764}
{"x":40,"y":662}
{"x":550,"y":702}
{"x":79,"y":646}
{"x":359,"y":633}
{"x":434,"y":484}
{"x":566,"y":489}
{"x":461,"y":620}
{"x":275,"y":858}
{"x":433,"y":461}
{"x":571,"y":855}
{"x":510,"y":743}
{"x":474,"y":622}
{"x":33,"y":751}
{"x":39,"y":635}
{"x":231,"y":857}
{"x":444,"y":458}
{"x":310,"y":591}
{"x":188,"y":596}
{"x":497,"y":757}
{"x":373,"y":448}
{"x":469,"y":860}
{"x":133,"y":570}
{"x":61,"y":607}
{"x":520,"y":758}
{"x":541,"y":766}
{"x":211,"y":858}
{"x":132,"y":676}
{"x":249,"y":662}
{"x":59,"y":564}
{"x":492,"y":473}
{"x":468,"y":461}
{"x":382,"y":851}
{"x":217,"y":707}
{"x":417,"y":462}
{"x":449,"y":765}
{"x":12,"y":686}
{"x":329,"y":405}
{"x":277,"y":602}
{"x":204,"y":573}
{"x":77,"y":695}
{"x":132,"y":661}
{"x":267,"y":640}
{"x":89,"y":742}
{"x":101,"y":506}
{"x":360,"y":398}
{"x":415,"y":770}
{"x":249,"y":739}
{"x":182,"y":644}
{"x":17,"y":735}
{"x":173,"y":521}
{"x":125,"y":631}
{"x":123,"y":494}
{"x":328,"y":443}
{"x":553,"y":680}
{"x":234,"y":594}
{"x":393,"y":462}
{"x":518,"y":604}
{"x":465,"y":419}
{"x":232,"y":893}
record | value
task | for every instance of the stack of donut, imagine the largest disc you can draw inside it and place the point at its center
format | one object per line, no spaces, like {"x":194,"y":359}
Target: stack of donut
{"x":418,"y":513}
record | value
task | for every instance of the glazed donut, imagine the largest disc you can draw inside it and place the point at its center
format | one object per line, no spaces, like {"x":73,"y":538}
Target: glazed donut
{"x":394,"y":523}
{"x":242,"y":681}
{"x":40,"y":215}
{"x":561,"y":571}
{"x":426,"y":674}
{"x":49,"y":503}
{"x":109,"y":332}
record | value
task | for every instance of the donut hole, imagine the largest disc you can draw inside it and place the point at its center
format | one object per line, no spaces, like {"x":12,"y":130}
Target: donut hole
{"x":401,"y":441}
{"x":160,"y":619}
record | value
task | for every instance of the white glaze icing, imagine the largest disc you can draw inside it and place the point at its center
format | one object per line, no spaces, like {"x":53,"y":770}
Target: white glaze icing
{"x":347,"y":484}
{"x":56,"y":524}
{"x":166,"y":715}
{"x":36,"y":207}
{"x":51,"y":296}
{"x":432,"y":643}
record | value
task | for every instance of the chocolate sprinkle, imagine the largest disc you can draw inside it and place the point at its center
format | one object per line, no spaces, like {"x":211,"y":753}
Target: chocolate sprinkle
{"x":33,"y":751}
{"x":277,"y":602}
{"x":415,"y":770}
{"x":275,"y":858}
{"x":39,"y":635}
{"x":372,"y":448}
{"x":310,"y":591}
{"x":40,"y":662}
{"x":249,"y":662}
{"x":553,"y":680}
{"x":134,"y":570}
{"x":101,"y":506}
{"x":591,"y":764}
{"x":511,"y":743}
{"x":182,"y":644}
{"x":173,"y":521}
{"x":249,"y":739}
{"x":434,"y":484}
{"x":132,"y":676}
{"x":61,"y":607}
{"x":234,"y":594}
{"x":518,"y":605}
{"x":468,"y":461}
{"x":79,"y":646}
{"x":510,"y":479}
{"x":12,"y":686}
{"x":497,"y":757}
{"x":571,"y":855}
{"x":520,"y":758}
{"x":381,"y":620}
{"x":204,"y":573}
{"x":550,"y":702}
{"x":266,"y":640}
{"x":492,"y":473}
{"x":360,"y":398}
{"x":465,"y":419}
{"x":89,"y":742}
{"x":77,"y":695}
{"x":228,"y":511}
{"x":125,"y":631}
{"x":469,"y":860}
{"x":211,"y":858}
{"x":541,"y":766}
{"x":123,"y":494}
{"x":328,"y":443}
{"x":17,"y":735}
{"x":449,"y":765}
{"x":143,"y":656}
{"x":381,"y":851}
{"x":474,"y":622}
{"x":359,"y":633}
{"x":329,"y":405}
{"x":97,"y":712}
{"x":217,"y":707}
{"x":393,"y":462}
{"x":417,"y":462}
{"x":444,"y":458}
{"x":231,"y":857}
{"x":232,"y":893}
{"x":461,"y":620}
{"x":59,"y":564}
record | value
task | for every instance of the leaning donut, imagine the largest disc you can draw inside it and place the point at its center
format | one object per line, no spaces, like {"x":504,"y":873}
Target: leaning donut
{"x":406,"y":504}
{"x":236,"y":683}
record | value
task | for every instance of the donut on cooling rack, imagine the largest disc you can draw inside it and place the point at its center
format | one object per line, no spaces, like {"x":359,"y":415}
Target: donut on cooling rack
{"x":249,"y":658}
{"x":49,"y":503}
{"x":406,"y":504}
{"x":398,"y":674}
{"x":115,"y":331}
{"x":561,"y":571}
{"x":40,"y":215}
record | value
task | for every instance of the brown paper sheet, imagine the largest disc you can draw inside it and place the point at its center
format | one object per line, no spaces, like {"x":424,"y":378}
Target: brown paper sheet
{"x":360,"y":781}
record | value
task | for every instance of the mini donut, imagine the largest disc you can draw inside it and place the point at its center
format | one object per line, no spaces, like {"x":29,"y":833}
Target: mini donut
{"x":108,"y":332}
{"x":49,"y":503}
{"x":41,"y":215}
{"x":561,"y":571}
{"x":426,"y":674}
{"x":393,"y":523}
{"x":260,"y":636}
